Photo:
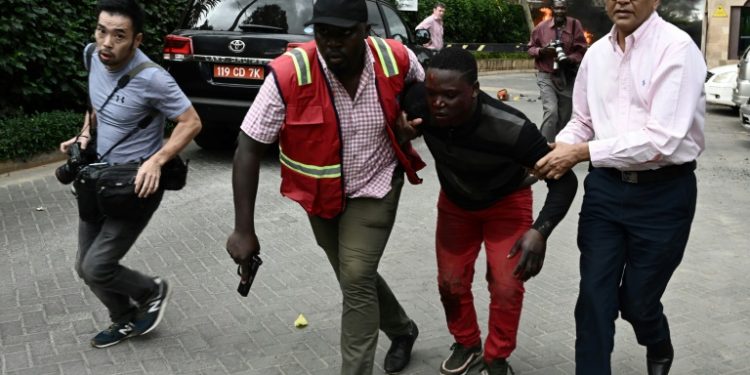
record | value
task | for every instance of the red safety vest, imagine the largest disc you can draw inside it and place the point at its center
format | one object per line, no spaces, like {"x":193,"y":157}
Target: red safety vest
{"x":310,"y":139}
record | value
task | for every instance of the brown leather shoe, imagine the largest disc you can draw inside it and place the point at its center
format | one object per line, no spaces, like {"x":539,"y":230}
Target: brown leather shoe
{"x":399,"y":354}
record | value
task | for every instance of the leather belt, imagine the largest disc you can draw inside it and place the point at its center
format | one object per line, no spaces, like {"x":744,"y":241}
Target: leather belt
{"x":653,"y":175}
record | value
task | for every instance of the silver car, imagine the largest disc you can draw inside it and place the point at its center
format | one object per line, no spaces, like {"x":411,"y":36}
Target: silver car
{"x":742,"y":92}
{"x":745,"y":116}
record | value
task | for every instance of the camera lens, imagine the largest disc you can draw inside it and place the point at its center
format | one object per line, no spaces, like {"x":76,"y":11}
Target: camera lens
{"x":64,"y":174}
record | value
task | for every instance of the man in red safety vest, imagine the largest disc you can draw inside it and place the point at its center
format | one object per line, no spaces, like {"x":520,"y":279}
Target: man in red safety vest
{"x":332,"y":105}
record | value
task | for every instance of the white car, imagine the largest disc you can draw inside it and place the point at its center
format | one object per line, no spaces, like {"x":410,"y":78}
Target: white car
{"x":720,"y":83}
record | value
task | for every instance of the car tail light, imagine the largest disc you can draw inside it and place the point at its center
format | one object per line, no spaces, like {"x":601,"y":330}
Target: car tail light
{"x":291,"y":46}
{"x":177,"y":48}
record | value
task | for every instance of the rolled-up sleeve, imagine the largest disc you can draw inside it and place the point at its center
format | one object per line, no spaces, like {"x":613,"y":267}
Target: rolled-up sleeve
{"x":416,"y":73}
{"x":266,"y":115}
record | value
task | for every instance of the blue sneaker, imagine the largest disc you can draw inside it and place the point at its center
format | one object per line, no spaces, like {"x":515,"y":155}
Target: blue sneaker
{"x":113,"y":335}
{"x":150,"y":313}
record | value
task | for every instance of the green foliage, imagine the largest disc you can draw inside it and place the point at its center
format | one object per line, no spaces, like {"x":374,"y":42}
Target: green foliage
{"x":24,"y":136}
{"x":41,"y":50}
{"x":476,"y":21}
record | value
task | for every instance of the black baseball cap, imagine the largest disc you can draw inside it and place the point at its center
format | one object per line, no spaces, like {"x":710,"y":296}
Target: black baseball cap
{"x":340,"y":13}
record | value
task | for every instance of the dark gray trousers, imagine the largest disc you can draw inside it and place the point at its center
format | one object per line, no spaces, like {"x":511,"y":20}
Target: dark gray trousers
{"x":101,"y":245}
{"x":557,"y":103}
{"x":354,"y":242}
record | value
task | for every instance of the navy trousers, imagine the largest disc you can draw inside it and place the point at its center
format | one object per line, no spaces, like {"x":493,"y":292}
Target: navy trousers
{"x":632,"y":238}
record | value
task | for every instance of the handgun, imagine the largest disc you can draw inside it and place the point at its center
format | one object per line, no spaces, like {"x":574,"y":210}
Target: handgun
{"x":247,"y":274}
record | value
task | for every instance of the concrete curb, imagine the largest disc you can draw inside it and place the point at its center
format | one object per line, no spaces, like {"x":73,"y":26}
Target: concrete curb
{"x":8,"y":166}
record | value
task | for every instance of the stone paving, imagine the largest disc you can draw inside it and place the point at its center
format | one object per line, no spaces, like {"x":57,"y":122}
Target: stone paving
{"x":47,"y":315}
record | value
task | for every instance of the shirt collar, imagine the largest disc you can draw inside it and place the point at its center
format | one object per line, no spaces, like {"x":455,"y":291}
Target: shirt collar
{"x":552,"y":23}
{"x":637,"y":35}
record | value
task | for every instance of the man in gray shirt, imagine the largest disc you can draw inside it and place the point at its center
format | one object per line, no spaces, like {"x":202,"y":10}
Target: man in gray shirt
{"x":135,"y":301}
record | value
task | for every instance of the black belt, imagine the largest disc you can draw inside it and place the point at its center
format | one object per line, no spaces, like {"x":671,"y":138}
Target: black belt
{"x":653,"y":175}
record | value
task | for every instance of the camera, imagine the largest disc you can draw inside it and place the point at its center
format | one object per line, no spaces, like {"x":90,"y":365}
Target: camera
{"x":560,"y":55}
{"x":77,"y":159}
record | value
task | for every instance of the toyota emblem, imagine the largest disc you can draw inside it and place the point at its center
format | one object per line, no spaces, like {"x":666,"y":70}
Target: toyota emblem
{"x":236,"y":46}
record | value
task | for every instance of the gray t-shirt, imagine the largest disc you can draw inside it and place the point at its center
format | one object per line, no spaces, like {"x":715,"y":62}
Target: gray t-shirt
{"x":153,"y":88}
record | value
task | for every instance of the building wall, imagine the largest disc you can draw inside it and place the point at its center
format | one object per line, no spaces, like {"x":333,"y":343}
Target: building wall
{"x":717,"y":32}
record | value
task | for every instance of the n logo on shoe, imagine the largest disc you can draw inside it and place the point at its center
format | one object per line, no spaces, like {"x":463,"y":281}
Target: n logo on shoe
{"x":154,"y":306}
{"x":126,"y":330}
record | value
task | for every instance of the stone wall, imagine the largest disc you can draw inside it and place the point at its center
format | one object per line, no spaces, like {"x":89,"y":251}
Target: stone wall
{"x":717,"y":31}
{"x":486,"y":65}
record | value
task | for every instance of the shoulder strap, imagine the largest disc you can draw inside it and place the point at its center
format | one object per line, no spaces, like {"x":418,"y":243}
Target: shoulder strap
{"x":139,"y":68}
{"x":88,"y":53}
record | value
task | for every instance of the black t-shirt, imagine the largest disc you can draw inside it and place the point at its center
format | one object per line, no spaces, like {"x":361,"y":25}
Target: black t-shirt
{"x":484,"y":160}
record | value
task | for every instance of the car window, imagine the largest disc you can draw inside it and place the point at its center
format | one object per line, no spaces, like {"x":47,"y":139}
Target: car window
{"x":395,"y":25}
{"x":272,"y":16}
{"x":375,"y":20}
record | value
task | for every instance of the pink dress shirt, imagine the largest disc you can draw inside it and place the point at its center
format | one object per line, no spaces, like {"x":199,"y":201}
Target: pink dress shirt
{"x":436,"y":31}
{"x":368,"y":159}
{"x":644,"y":107}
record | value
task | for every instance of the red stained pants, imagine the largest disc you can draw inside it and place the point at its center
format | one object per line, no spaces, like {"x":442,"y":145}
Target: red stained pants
{"x":459,"y":237}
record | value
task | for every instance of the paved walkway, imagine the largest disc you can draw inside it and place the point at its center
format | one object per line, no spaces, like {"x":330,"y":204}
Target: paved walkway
{"x":47,"y":315}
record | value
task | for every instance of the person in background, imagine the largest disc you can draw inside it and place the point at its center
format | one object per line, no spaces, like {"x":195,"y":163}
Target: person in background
{"x":556,"y":67}
{"x":638,"y":117}
{"x":434,"y":24}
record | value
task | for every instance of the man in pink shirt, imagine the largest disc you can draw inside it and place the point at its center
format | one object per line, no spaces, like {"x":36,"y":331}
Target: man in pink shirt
{"x":556,"y":74}
{"x":638,"y":117}
{"x":434,"y":24}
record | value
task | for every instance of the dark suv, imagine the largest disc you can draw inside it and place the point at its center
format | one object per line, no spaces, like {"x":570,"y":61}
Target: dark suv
{"x":219,"y":56}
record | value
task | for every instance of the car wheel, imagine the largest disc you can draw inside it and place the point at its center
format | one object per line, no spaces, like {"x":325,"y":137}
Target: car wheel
{"x":217,"y":139}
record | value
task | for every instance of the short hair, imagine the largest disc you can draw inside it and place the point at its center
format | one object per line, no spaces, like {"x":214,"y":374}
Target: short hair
{"x":439,"y":5}
{"x":564,"y":2}
{"x":127,"y":8}
{"x":456,"y":59}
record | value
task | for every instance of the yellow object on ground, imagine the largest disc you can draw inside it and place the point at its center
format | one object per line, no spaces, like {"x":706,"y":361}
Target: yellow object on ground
{"x":301,"y":322}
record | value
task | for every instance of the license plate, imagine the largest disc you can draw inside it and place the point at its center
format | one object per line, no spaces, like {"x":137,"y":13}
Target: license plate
{"x":238,"y":72}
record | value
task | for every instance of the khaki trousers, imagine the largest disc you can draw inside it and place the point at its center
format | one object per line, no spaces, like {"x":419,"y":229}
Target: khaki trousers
{"x":354,"y":242}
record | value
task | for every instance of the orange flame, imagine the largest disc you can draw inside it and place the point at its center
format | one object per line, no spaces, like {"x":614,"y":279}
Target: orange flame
{"x":589,"y":37}
{"x":546,"y":15}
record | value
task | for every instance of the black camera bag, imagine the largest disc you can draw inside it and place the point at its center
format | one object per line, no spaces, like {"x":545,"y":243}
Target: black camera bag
{"x":174,"y":174}
{"x":115,"y":193}
{"x":85,"y":189}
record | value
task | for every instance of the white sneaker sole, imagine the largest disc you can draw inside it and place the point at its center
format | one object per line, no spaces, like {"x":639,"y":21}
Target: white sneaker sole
{"x":461,"y":370}
{"x":160,"y":315}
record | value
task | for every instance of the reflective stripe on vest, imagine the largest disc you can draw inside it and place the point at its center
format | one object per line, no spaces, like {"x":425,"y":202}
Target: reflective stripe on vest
{"x":302,"y":65}
{"x":314,"y":171}
{"x":385,"y":53}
